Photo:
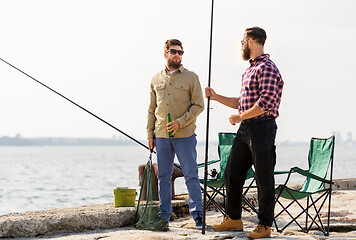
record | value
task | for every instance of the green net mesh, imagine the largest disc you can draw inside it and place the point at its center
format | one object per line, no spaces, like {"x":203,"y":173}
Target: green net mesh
{"x":148,"y":203}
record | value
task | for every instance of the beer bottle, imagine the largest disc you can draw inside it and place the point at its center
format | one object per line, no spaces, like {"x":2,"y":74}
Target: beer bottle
{"x":170,"y":134}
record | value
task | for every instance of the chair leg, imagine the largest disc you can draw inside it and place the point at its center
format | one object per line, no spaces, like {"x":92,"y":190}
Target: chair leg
{"x":217,"y":205}
{"x":306,"y":215}
{"x":274,"y":219}
{"x":284,"y":209}
{"x":311,"y":203}
{"x":294,"y":219}
{"x":250,"y":205}
{"x":221,"y":191}
{"x":328,"y":227}
{"x":249,"y":186}
{"x":325,"y":195}
{"x":244,"y":199}
{"x":215,"y":193}
{"x":224,"y":197}
{"x":212,"y":197}
{"x":317,"y":211}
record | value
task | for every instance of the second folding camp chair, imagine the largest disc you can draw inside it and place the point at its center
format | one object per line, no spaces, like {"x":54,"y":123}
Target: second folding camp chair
{"x":316,"y":189}
{"x":217,"y":185}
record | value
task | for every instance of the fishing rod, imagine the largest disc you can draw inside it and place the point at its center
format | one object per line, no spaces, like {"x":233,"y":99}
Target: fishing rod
{"x":76,"y":104}
{"x":207,"y":121}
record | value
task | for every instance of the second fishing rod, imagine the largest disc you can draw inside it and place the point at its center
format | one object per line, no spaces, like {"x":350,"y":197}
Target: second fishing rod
{"x":44,"y":85}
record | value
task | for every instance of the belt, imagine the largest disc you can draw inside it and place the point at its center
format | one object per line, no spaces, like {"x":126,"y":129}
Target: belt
{"x":250,"y":120}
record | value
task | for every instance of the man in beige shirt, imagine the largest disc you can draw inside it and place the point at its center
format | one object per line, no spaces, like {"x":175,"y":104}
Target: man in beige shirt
{"x":175,"y":91}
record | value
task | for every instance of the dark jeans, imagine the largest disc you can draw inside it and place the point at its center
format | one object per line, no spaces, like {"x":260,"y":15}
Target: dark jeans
{"x":254,"y":144}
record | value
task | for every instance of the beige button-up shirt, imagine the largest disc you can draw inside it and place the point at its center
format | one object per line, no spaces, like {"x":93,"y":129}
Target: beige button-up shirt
{"x":180,"y":95}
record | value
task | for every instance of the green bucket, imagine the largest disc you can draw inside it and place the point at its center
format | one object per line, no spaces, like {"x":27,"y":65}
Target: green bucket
{"x":124,"y":197}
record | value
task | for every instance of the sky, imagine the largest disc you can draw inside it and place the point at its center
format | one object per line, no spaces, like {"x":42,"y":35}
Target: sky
{"x":102,"y":55}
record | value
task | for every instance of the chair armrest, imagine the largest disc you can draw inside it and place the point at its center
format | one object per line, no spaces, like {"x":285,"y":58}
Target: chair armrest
{"x":208,"y":163}
{"x":280,"y":172}
{"x":308,"y":174}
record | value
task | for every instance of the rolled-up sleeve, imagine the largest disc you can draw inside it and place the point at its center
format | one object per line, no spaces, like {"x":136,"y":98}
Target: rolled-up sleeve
{"x":269,"y":81}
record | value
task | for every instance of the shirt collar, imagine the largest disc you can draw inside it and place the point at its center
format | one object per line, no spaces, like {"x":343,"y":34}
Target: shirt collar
{"x":181,"y":69}
{"x":259,"y":58}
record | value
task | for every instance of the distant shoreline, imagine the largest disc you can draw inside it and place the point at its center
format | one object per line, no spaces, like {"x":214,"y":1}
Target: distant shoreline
{"x":63,"y":141}
{"x":67,"y":141}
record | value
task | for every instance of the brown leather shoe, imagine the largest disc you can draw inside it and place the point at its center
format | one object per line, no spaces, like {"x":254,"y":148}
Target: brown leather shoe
{"x":229,"y":225}
{"x":261,"y":231}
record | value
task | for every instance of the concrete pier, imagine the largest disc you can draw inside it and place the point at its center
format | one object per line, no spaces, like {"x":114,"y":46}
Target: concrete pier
{"x":98,"y":221}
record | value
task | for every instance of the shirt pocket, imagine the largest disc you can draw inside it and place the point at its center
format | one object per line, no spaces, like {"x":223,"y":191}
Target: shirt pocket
{"x":181,"y":92}
{"x":160,"y":91}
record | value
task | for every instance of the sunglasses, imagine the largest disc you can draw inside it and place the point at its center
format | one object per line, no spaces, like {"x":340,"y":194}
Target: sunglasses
{"x":246,"y":40}
{"x":174,"y":51}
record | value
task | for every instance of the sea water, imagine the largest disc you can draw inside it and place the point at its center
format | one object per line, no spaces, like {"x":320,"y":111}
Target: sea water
{"x":41,"y":178}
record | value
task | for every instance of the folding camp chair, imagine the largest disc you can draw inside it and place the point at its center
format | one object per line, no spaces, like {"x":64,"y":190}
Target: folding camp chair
{"x":217,"y":185}
{"x":316,"y":188}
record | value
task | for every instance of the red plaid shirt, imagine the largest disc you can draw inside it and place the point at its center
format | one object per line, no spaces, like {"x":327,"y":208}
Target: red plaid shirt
{"x":261,"y":84}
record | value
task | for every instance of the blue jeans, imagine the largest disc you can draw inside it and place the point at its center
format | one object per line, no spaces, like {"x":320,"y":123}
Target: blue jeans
{"x":185,"y":149}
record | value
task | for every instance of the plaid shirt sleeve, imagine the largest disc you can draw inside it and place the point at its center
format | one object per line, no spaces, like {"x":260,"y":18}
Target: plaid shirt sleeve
{"x":269,"y":82}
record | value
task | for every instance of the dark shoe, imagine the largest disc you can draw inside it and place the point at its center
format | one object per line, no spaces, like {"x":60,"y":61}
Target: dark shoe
{"x":198,"y":223}
{"x":158,"y":224}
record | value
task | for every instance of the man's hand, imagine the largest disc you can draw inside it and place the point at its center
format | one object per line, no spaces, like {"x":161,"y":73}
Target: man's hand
{"x":209,"y":92}
{"x":173,"y":126}
{"x":235,"y":118}
{"x":151,"y":143}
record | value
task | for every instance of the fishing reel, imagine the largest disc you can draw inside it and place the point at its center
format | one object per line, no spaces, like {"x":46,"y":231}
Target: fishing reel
{"x":213,"y":173}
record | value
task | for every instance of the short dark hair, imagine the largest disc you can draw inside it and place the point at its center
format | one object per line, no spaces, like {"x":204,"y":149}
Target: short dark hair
{"x":257,"y":34}
{"x":172,"y":42}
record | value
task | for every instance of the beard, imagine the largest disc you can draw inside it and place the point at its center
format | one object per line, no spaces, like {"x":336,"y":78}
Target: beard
{"x":174,"y":63}
{"x":246,"y":52}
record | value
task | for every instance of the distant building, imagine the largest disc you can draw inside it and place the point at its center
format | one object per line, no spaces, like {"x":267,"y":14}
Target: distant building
{"x":349,"y":137}
{"x":338,"y":138}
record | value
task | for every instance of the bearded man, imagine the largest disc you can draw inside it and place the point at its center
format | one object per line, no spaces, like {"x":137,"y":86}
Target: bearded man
{"x":254,"y":144}
{"x":175,"y":91}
